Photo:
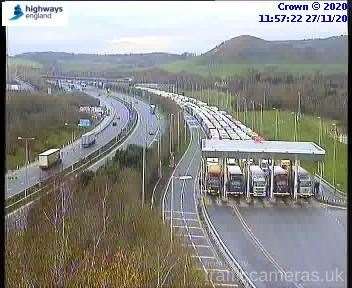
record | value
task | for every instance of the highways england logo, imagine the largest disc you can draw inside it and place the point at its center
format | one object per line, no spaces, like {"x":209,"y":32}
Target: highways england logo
{"x":17,"y":13}
{"x":44,"y":13}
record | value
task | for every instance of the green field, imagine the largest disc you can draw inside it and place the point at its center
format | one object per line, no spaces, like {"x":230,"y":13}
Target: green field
{"x":24,"y":62}
{"x":225,"y":70}
{"x":308,"y":130}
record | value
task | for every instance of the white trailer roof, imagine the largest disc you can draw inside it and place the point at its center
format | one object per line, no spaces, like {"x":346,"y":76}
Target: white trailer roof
{"x":231,"y":161}
{"x":279,"y":170}
{"x":255,"y":169}
{"x":234,"y":169}
{"x":243,"y":149}
{"x":49,"y":152}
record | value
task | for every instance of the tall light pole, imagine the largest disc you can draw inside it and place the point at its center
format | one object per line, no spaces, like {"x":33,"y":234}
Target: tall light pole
{"x":245,"y":111}
{"x":261,"y":118}
{"x":276,"y":122}
{"x":334,"y":160}
{"x":295,"y":125}
{"x":320,"y":130}
{"x":26,"y":139}
{"x":171,"y":138}
{"x":143,"y":166}
{"x":253,"y":116}
{"x":73,"y":131}
{"x":319,"y":141}
{"x":237,"y":106}
{"x":178,"y":131}
{"x":186,"y":177}
{"x":299,"y":104}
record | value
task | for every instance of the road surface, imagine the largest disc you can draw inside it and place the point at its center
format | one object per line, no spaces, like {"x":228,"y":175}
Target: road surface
{"x":180,"y":212}
{"x":147,"y":122}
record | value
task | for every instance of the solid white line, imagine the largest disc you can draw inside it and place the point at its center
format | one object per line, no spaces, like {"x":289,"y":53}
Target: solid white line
{"x":227,"y":285}
{"x":190,"y":227}
{"x":192,"y":236}
{"x":182,"y":219}
{"x":168,"y":211}
{"x":197,"y":245}
{"x":201,"y":256}
{"x":219,"y":270}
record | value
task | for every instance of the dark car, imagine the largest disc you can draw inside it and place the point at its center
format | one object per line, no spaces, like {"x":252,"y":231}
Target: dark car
{"x":114,"y":123}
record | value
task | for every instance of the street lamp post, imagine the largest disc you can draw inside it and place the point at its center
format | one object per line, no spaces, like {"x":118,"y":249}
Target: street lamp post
{"x":261,"y":118}
{"x":186,"y":177}
{"x":245,"y":111}
{"x":334,"y":166}
{"x":26,"y":139}
{"x":73,"y":130}
{"x":295,"y":126}
{"x":320,"y":168}
{"x":276,"y":122}
{"x":253,"y":116}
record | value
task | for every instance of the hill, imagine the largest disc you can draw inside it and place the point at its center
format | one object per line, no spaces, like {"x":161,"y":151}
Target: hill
{"x":112,"y":63}
{"x":236,"y":55}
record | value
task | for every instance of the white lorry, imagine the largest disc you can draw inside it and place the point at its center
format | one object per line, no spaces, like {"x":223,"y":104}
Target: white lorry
{"x":235,"y":178}
{"x":305,"y":183}
{"x":88,"y":139}
{"x":257,"y":181}
{"x":49,"y":158}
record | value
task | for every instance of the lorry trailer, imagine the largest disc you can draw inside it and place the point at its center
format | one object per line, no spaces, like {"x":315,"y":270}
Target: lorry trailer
{"x":235,"y":180}
{"x":88,"y":139}
{"x":49,"y":158}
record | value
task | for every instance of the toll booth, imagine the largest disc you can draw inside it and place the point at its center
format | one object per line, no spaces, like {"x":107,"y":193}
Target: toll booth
{"x":246,"y":150}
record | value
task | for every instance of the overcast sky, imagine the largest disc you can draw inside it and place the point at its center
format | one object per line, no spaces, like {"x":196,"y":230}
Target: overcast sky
{"x":176,"y":27}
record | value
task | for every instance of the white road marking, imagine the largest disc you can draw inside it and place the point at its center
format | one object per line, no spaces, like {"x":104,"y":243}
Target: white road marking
{"x":185,"y":226}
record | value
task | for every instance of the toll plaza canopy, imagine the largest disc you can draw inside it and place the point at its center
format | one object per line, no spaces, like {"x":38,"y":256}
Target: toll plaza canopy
{"x":243,"y":149}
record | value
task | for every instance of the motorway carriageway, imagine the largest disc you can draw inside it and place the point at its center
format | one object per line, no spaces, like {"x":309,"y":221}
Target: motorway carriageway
{"x":155,"y":123}
{"x":185,"y":221}
{"x":271,"y":242}
{"x":147,"y":122}
{"x":73,"y":152}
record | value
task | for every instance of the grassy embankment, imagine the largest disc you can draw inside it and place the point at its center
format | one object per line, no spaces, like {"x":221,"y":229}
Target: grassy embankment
{"x":43,"y":117}
{"x":308,"y":131}
{"x":93,"y":232}
{"x":100,"y":235}
{"x":224,"y":70}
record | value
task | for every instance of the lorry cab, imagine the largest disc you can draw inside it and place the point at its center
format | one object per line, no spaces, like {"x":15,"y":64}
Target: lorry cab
{"x":214,"y":176}
{"x":235,"y":177}
{"x":305,"y":183}
{"x":258,"y":181}
{"x":235,"y":180}
{"x":264,"y":165}
{"x":281,"y":183}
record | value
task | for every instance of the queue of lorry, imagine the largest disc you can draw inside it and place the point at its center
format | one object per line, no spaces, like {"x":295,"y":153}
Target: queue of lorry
{"x":240,"y":175}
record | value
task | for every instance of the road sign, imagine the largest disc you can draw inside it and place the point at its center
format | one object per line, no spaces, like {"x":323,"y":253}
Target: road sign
{"x":84,"y":123}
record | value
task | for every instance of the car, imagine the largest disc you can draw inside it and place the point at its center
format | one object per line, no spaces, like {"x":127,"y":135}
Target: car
{"x":114,"y":123}
{"x":118,"y":117}
{"x":151,"y":133}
